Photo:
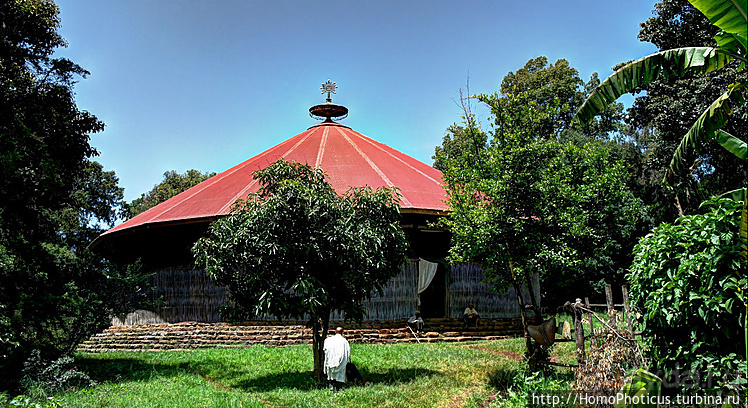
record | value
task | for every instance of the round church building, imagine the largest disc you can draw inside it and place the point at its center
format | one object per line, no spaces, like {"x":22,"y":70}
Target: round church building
{"x":162,"y":237}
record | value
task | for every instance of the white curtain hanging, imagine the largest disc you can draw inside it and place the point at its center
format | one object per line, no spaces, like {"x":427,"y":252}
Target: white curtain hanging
{"x":426,"y":272}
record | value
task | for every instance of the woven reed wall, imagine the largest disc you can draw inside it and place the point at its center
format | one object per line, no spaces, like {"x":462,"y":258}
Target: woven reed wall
{"x":189,"y":295}
{"x":398,"y":299}
{"x":466,"y":285}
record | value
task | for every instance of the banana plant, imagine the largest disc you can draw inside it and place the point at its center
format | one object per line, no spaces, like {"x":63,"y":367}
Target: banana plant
{"x":731,"y":17}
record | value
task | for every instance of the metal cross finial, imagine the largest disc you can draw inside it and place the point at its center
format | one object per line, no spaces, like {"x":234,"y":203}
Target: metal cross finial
{"x":329,"y":87}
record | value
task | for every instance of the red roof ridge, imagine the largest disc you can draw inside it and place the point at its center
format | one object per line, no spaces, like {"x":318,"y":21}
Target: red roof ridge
{"x":373,"y":165}
{"x":322,"y":144}
{"x":378,"y":145}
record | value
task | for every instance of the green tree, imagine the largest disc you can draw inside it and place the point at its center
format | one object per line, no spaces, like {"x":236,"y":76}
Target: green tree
{"x":671,"y":105}
{"x":298,"y":249}
{"x":730,"y":18}
{"x":555,"y":88}
{"x":173,"y":184}
{"x":558,"y":91}
{"x":535,"y":104}
{"x":53,"y":199}
{"x":524,"y":202}
{"x":687,"y":281}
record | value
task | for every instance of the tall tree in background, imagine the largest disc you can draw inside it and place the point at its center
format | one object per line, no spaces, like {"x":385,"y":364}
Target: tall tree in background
{"x":53,"y":199}
{"x":556,"y":88}
{"x":173,"y":184}
{"x":523,"y":200}
{"x":588,"y":161}
{"x":692,"y":86}
{"x":296,"y":248}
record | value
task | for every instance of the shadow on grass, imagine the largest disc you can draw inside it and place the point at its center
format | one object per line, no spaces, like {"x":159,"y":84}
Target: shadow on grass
{"x":304,"y":380}
{"x":126,"y":369}
{"x":225,"y":375}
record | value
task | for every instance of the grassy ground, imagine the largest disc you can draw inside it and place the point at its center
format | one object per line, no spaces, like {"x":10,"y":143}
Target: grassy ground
{"x":478,"y":374}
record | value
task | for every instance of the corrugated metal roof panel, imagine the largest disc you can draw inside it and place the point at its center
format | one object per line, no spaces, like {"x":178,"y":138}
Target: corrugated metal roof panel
{"x":348,"y":157}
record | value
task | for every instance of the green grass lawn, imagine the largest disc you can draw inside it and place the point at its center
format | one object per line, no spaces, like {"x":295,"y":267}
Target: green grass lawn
{"x":477,"y":374}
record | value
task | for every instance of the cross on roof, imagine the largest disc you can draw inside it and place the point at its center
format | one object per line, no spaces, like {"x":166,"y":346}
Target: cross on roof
{"x":329,"y":87}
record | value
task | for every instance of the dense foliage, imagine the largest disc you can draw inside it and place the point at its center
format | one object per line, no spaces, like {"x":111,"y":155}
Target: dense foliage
{"x":532,"y":192}
{"x":526,"y":197}
{"x":692,"y":122}
{"x":687,"y":276}
{"x":53,"y":199}
{"x":688,"y":283}
{"x":173,"y":184}
{"x":298,"y":249}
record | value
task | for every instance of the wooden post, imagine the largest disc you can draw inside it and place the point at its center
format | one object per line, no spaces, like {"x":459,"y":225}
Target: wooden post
{"x":587,"y":305}
{"x":611,"y":305}
{"x":579,"y":331}
{"x":627,"y":310}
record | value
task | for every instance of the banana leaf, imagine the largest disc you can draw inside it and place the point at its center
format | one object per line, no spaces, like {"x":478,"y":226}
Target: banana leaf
{"x":643,"y":384}
{"x":671,"y":63}
{"x":708,"y":126}
{"x":729,"y":15}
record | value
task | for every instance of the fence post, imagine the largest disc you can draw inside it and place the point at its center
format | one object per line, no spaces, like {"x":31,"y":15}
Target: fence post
{"x":587,"y":305}
{"x":611,"y":305}
{"x":627,"y":309}
{"x":579,"y":331}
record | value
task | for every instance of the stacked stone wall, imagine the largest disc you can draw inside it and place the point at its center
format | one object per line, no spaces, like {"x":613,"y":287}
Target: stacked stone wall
{"x":193,"y":335}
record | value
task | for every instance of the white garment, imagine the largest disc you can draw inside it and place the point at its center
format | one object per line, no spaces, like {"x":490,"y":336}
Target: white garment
{"x":469,"y":311}
{"x":337,"y":353}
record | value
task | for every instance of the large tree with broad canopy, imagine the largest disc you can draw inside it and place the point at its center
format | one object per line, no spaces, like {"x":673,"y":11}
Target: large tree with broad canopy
{"x":297,"y":249}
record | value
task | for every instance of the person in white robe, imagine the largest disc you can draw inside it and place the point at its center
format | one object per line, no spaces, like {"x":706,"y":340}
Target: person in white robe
{"x":337,"y":354}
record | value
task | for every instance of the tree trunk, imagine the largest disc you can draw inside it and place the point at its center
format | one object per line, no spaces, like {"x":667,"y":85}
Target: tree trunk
{"x":533,"y":301}
{"x":320,"y":327}
{"x":518,"y":292}
{"x":678,"y":206}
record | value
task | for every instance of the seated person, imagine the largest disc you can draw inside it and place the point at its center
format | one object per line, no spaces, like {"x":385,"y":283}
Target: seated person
{"x":416,"y":323}
{"x":470,"y":316}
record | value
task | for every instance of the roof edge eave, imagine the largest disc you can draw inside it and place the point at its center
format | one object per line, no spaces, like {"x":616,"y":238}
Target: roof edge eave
{"x":159,"y":224}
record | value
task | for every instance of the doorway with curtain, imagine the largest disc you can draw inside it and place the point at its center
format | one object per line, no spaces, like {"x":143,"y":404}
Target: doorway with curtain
{"x":432,"y":288}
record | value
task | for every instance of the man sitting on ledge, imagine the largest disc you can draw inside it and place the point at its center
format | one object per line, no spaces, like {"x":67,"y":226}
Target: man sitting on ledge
{"x":470,"y":316}
{"x":416,"y":323}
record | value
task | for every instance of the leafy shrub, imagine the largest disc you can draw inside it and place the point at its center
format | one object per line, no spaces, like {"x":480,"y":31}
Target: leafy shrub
{"x":516,"y":387}
{"x":41,"y":377}
{"x":687,"y":280}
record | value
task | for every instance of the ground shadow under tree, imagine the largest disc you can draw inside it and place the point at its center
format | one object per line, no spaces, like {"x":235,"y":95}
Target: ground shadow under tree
{"x":126,"y":369}
{"x":295,"y":379}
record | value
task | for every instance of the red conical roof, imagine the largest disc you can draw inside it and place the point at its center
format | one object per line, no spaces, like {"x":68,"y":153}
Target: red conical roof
{"x":348,"y":157}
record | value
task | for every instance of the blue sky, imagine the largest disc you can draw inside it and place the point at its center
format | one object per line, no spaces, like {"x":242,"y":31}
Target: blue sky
{"x":184,"y":84}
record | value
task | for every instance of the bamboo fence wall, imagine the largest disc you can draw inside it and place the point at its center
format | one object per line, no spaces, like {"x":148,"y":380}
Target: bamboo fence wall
{"x":189,"y":295}
{"x":399,"y":298}
{"x":466,"y":285}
